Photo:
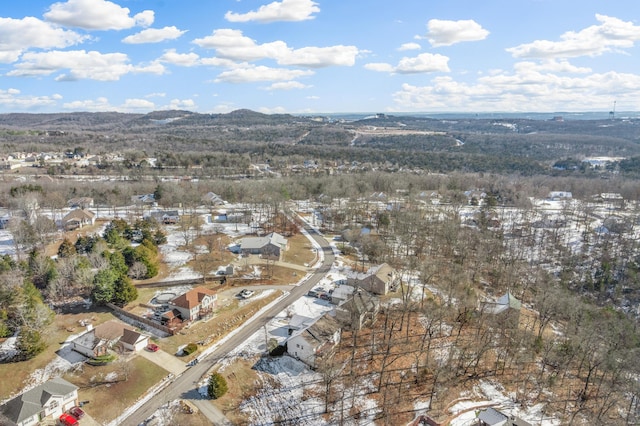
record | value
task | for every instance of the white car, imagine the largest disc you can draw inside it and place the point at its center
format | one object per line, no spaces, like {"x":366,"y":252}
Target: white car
{"x":246,"y":293}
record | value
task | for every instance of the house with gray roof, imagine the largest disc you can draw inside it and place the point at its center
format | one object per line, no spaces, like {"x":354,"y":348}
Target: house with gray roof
{"x":378,"y":280}
{"x":44,"y":403}
{"x":271,"y":245}
{"x":493,"y":417}
{"x":316,"y":342}
{"x":78,"y":218}
{"x":507,"y":308}
{"x":359,"y":310}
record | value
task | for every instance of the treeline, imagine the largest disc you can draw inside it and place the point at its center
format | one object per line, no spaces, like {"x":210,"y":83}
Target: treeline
{"x":95,"y":268}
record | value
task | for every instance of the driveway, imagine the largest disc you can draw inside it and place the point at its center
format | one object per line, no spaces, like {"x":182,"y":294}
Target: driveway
{"x":169,"y":362}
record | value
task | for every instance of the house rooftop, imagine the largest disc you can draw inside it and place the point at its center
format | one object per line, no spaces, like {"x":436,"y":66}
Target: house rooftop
{"x":130,"y":336}
{"x":259,"y":242}
{"x":192,"y":298}
{"x":32,"y":401}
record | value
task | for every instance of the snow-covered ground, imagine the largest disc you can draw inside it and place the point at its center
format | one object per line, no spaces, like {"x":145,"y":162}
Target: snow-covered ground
{"x":491,"y":394}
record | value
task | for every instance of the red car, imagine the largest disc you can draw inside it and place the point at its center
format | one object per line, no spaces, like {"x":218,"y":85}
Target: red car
{"x":68,"y":420}
{"x":76,"y":412}
{"x":152,"y":347}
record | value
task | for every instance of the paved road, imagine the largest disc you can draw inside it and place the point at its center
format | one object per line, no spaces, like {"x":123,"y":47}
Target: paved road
{"x":182,"y":387}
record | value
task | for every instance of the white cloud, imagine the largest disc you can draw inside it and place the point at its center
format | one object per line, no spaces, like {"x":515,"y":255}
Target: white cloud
{"x":551,"y":66}
{"x":81,"y":65}
{"x":232,"y":44}
{"x":379,"y":67}
{"x":259,"y":73}
{"x":18,"y":35}
{"x":12,"y":100}
{"x":610,"y":34}
{"x":222,"y":63}
{"x":285,"y":10}
{"x":99,"y":104}
{"x":446,"y":33}
{"x":154,"y":35}
{"x":182,"y":59}
{"x":423,"y":63}
{"x":318,"y":57}
{"x":96,"y":15}
{"x":287,"y":85}
{"x":409,"y":46}
{"x":180,"y":104}
{"x":274,"y":110}
{"x":138,"y":104}
{"x":524,"y":90}
{"x":156,"y":95}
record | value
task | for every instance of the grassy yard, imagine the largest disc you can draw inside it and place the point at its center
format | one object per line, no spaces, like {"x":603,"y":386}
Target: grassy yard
{"x":223,"y":321}
{"x":299,"y":252}
{"x":64,"y":325}
{"x":109,"y":399}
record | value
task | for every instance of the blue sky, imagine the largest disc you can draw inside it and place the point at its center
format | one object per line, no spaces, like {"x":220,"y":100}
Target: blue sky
{"x":305,"y":56}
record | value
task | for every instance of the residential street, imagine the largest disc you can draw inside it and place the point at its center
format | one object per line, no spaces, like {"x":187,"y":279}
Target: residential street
{"x":183,"y":385}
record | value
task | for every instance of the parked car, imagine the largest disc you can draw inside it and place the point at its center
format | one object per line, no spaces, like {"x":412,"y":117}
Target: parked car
{"x":152,"y":347}
{"x":245,"y":294}
{"x":312,"y":293}
{"x":76,"y":412}
{"x":325,"y":296}
{"x":68,"y":420}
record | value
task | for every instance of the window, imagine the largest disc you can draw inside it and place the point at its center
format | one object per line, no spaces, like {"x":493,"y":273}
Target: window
{"x":53,"y":405}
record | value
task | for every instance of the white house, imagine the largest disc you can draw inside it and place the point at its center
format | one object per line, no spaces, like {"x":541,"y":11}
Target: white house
{"x":44,"y":403}
{"x":195,"y":303}
{"x":316,"y":342}
{"x":90,"y":345}
{"x":133,"y":341}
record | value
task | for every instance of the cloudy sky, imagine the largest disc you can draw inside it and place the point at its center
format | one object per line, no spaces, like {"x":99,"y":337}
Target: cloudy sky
{"x":306,"y":56}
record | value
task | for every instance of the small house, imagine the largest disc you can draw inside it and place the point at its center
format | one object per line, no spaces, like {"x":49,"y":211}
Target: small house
{"x":43,"y":403}
{"x":507,"y":307}
{"x":493,"y":417}
{"x":97,"y":341}
{"x":133,"y":341}
{"x":78,"y":218}
{"x":90,"y":345}
{"x":315,"y":343}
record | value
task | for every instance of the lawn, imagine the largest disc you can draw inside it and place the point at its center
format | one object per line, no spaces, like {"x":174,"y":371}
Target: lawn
{"x":63,"y":326}
{"x":224,"y":320}
{"x":109,"y":394}
{"x":300,"y":251}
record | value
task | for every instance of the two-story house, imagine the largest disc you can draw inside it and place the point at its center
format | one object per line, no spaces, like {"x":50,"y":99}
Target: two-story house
{"x":45,"y":402}
{"x":315,"y":343}
{"x":194,"y":304}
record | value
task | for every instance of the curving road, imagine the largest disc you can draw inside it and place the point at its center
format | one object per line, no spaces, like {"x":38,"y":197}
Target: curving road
{"x":183,"y":386}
